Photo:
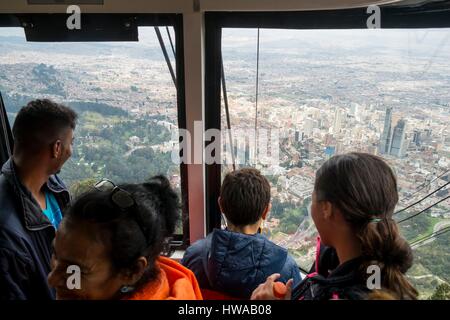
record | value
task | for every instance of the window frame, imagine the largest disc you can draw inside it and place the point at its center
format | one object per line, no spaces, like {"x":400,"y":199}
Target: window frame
{"x":139,"y":20}
{"x":6,"y":141}
{"x":432,"y":15}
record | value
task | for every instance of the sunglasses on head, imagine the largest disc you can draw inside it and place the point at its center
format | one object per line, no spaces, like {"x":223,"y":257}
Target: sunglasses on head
{"x":121,"y":198}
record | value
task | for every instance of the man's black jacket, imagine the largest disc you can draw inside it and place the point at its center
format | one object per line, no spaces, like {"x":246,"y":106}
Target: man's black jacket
{"x":26,"y":237}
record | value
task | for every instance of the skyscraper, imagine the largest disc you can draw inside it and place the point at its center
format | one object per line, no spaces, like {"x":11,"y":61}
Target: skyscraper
{"x":393,"y":140}
{"x":337,"y":121}
{"x":299,"y":135}
{"x":247,"y":152}
{"x":308,"y":127}
{"x":385,"y":141}
{"x":417,"y":137}
{"x":398,"y":146}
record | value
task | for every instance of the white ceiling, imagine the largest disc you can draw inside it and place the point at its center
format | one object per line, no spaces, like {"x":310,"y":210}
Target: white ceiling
{"x":187,"y":6}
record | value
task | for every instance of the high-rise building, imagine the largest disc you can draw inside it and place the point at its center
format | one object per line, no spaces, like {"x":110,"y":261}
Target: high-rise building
{"x":299,"y":135}
{"x":399,"y":145}
{"x":356,"y":111}
{"x":393,"y":140}
{"x":337,"y":126}
{"x":247,"y":152}
{"x":416,"y":138}
{"x":385,"y":141}
{"x":308,"y":127}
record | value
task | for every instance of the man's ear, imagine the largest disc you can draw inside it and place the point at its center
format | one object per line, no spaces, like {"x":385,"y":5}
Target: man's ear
{"x":266,"y":211}
{"x":56,"y":149}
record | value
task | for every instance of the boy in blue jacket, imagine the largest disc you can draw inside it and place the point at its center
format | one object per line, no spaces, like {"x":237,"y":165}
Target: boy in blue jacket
{"x":236,"y":260}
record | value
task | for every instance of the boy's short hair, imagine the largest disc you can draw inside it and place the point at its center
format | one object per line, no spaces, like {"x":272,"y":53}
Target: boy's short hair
{"x":244,"y":196}
{"x":41,"y":122}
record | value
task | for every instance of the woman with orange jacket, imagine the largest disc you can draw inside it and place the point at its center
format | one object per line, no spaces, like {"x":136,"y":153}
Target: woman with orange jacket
{"x":109,"y":243}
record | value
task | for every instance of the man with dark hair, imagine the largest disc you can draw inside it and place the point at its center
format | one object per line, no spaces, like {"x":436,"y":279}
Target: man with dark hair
{"x":236,"y":260}
{"x":32,"y":198}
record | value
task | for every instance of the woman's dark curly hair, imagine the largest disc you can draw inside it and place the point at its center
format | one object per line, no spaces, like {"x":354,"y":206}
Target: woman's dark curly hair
{"x":133,"y":232}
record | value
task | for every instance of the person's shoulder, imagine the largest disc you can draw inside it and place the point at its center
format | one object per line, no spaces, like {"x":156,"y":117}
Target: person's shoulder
{"x":14,"y":236}
{"x":56,"y":183}
{"x":270,"y":245}
{"x":5,"y":188}
{"x":196,"y":250}
{"x":290,"y":261}
{"x":9,"y":202}
{"x":200,"y":244}
{"x":281,"y":252}
{"x":292,"y":267}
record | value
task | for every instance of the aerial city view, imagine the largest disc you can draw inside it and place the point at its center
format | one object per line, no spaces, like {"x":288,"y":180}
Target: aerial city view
{"x":328,"y":92}
{"x":385,"y":92}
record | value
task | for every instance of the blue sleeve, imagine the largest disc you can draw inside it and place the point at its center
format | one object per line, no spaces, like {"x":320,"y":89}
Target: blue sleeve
{"x":193,"y":259}
{"x":292,"y":269}
{"x":188,"y":257}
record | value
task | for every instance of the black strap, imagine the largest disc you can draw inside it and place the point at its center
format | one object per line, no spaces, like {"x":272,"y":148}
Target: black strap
{"x":6,"y":142}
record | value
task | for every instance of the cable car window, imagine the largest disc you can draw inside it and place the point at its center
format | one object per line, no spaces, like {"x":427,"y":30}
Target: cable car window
{"x":123,"y":92}
{"x":311,"y":94}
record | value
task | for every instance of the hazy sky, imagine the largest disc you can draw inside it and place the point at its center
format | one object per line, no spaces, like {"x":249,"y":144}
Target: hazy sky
{"x":431,"y":43}
{"x":243,"y":37}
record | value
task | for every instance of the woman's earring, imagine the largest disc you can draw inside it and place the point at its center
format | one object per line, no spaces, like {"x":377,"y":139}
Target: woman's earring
{"x":126,"y":289}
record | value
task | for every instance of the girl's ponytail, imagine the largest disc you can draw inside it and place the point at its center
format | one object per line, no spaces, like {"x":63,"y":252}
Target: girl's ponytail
{"x":364,"y":188}
{"x":383,"y":246}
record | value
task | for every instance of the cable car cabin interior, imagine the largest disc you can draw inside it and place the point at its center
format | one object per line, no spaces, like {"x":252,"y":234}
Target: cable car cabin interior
{"x":198,"y":89}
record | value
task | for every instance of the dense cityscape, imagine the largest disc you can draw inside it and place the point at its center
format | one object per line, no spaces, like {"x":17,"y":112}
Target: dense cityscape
{"x":387,"y":95}
{"x":324,"y":100}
